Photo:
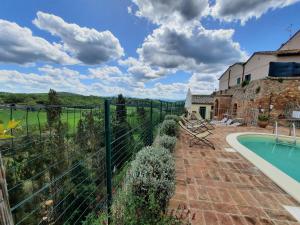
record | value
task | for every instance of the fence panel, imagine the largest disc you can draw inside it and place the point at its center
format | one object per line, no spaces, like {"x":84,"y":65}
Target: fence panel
{"x":65,"y":162}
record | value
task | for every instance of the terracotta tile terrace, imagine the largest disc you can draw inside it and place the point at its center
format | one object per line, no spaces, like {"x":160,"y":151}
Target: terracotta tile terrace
{"x":216,"y":187}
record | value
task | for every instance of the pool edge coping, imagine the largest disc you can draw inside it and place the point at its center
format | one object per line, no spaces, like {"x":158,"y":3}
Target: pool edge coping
{"x":285,"y":182}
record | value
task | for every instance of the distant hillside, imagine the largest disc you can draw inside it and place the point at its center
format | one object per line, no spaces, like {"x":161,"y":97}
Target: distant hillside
{"x":66,"y":98}
{"x":41,"y":98}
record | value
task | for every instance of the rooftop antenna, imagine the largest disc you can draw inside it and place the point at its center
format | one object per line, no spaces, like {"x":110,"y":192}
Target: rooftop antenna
{"x":290,"y":30}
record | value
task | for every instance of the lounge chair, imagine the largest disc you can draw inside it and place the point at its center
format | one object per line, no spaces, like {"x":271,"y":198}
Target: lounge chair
{"x":195,"y":127}
{"x":227,"y":123}
{"x":199,"y":123}
{"x":235,"y":124}
{"x":197,"y":138}
{"x":205,"y":123}
{"x":224,"y":120}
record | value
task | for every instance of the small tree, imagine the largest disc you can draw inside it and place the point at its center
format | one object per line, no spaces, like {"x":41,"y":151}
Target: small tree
{"x":122,"y":138}
{"x":53,"y":108}
{"x":121,"y":109}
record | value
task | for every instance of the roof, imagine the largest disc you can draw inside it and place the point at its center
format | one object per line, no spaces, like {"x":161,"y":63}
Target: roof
{"x":202,"y":99}
{"x":289,"y":39}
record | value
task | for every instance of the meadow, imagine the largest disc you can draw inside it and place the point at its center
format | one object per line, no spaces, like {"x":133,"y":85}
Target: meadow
{"x":33,"y":119}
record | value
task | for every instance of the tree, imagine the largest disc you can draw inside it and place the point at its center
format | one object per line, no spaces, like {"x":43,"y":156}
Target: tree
{"x":121,"y":111}
{"x":53,"y":108}
{"x":142,"y":118}
{"x":122,"y":137}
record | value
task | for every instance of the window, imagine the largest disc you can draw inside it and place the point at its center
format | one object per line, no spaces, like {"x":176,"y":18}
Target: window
{"x":216,"y":107}
{"x":284,"y":69}
{"x":248,"y":77}
{"x":238,"y":81}
{"x":234,"y":110}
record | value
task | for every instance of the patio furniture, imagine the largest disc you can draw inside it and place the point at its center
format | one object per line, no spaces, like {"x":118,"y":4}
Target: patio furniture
{"x":202,"y":125}
{"x":197,"y":138}
{"x":235,"y":124}
{"x":227,"y":123}
{"x":215,"y":122}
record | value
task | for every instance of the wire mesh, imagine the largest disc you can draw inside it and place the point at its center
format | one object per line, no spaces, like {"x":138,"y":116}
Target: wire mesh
{"x":55,"y":163}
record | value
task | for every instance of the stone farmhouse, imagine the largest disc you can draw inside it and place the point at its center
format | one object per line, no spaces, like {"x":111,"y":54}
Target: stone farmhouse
{"x":269,"y":82}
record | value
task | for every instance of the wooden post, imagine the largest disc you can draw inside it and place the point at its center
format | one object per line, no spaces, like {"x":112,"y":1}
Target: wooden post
{"x":5,"y":213}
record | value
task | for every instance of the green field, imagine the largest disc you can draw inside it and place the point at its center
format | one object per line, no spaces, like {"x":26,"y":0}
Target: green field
{"x":34,"y":118}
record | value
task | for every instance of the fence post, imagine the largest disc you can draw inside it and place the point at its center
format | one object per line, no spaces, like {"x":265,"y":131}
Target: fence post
{"x":167,"y":108}
{"x":151,"y":122}
{"x":108,"y":156}
{"x":5,"y":213}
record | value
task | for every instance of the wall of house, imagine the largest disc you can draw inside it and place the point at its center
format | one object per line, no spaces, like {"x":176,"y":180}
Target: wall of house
{"x":195,"y":108}
{"x":236,"y":71}
{"x":294,"y":43}
{"x":223,"y":82}
{"x":288,"y":58}
{"x":258,"y":66}
{"x":283,"y":94}
{"x":222,"y":105}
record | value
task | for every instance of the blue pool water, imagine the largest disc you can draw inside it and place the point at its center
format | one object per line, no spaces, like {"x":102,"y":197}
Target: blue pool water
{"x":284,"y":157}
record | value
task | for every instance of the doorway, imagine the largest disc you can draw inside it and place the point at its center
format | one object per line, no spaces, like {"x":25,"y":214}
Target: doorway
{"x":202,"y":112}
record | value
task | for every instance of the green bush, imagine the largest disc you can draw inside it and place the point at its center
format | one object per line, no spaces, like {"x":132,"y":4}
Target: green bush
{"x":172,"y":117}
{"x":245,"y":83}
{"x":130,"y":209}
{"x":153,"y":171}
{"x":170,"y":128}
{"x":263,"y":117}
{"x":167,"y":142}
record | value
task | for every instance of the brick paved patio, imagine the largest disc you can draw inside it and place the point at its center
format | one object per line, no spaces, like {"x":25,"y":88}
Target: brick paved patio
{"x":215,"y":187}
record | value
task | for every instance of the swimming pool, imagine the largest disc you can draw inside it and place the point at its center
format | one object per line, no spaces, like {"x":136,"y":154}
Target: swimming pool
{"x":280,"y":162}
{"x":285,"y":157}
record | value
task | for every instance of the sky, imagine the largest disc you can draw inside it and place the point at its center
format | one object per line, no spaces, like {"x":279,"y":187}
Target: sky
{"x":140,"y":48}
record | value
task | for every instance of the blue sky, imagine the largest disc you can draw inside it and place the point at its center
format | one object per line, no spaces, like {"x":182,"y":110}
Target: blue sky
{"x":141,"y":48}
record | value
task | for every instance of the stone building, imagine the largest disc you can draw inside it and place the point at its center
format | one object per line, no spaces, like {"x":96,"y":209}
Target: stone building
{"x":199,"y":104}
{"x":267,"y":82}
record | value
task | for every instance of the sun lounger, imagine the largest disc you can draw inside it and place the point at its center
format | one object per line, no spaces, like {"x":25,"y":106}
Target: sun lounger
{"x":227,"y":123}
{"x":197,"y":138}
{"x":195,"y":124}
{"x":224,"y":120}
{"x":236,"y":124}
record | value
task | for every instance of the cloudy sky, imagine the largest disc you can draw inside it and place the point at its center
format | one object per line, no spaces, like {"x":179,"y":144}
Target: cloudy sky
{"x":141,"y":48}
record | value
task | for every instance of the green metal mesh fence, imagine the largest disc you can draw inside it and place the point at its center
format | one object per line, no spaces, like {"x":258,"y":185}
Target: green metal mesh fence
{"x":66,"y":162}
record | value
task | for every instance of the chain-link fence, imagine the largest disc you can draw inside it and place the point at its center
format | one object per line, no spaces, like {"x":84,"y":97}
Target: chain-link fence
{"x":63,"y":162}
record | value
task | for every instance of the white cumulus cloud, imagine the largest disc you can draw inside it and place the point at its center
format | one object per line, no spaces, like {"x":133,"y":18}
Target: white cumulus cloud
{"x":193,"y":50}
{"x":88,"y":45}
{"x":162,"y":11}
{"x":18,"y":45}
{"x":234,"y":10}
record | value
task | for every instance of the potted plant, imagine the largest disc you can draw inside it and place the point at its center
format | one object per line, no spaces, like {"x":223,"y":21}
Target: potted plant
{"x":263,"y":120}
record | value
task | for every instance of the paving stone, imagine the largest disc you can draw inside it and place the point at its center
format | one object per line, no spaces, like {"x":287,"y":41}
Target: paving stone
{"x":215,"y":187}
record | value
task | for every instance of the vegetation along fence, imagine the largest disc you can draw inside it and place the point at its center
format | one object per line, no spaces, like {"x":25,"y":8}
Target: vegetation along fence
{"x":64,"y":162}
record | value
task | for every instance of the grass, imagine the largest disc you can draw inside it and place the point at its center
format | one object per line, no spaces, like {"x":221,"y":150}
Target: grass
{"x":70,"y":116}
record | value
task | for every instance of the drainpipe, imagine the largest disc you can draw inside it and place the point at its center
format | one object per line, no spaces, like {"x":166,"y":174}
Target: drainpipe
{"x":229,"y":79}
{"x":243,"y":74}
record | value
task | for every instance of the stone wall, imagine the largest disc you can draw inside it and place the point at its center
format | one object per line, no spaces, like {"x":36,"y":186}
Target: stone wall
{"x":282,"y":94}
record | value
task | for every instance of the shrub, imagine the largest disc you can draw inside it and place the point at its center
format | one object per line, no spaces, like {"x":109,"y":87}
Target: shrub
{"x":131,"y":209}
{"x":169,"y":127}
{"x":257,"y":90}
{"x":167,"y":142}
{"x":152,"y":172}
{"x":245,"y":83}
{"x":263,"y":117}
{"x":172,"y":117}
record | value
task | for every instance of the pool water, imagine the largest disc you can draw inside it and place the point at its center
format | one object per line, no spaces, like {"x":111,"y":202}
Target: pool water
{"x":285,"y":157}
